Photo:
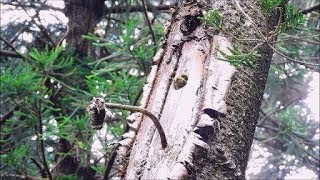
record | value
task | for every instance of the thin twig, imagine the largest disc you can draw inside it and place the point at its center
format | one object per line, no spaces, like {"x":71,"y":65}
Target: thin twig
{"x":7,"y":115}
{"x":145,"y":112}
{"x":60,"y":159}
{"x":293,"y":60}
{"x":150,"y":27}
{"x":292,"y":140}
{"x":278,"y":109}
{"x":34,"y":161}
{"x":12,"y":47}
{"x":253,"y":23}
{"x":121,"y":9}
{"x":266,"y":40}
{"x":136,"y":99}
{"x":303,"y":149}
{"x":277,"y":128}
{"x":17,"y":34}
{"x":6,"y":53}
{"x":290,"y":38}
{"x":313,"y":8}
{"x":42,"y":143}
{"x":41,"y":6}
{"x":40,"y":26}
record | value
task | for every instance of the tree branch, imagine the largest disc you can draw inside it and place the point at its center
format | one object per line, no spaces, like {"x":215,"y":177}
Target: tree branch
{"x":253,"y":23}
{"x":42,"y":143}
{"x":41,"y":169}
{"x":150,"y":27}
{"x":118,"y":9}
{"x":145,"y":112}
{"x":9,"y":54}
{"x":313,"y":8}
{"x":97,"y":115}
{"x":41,"y":6}
{"x":9,"y":44}
{"x":293,"y":60}
{"x":278,"y":109}
{"x":7,"y":115}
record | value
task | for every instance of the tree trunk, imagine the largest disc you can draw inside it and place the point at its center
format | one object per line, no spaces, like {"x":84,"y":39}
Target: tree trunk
{"x":83,"y":17}
{"x":209,"y":121}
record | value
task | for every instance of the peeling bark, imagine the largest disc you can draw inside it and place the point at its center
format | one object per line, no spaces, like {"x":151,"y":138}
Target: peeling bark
{"x":210,"y":120}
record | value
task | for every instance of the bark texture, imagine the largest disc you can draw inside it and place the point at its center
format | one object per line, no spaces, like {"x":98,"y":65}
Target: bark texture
{"x":83,"y":16}
{"x":209,"y":120}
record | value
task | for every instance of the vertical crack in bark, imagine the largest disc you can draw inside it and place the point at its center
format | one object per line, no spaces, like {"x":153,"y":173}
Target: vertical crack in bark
{"x":204,"y":128}
{"x":173,"y":53}
{"x":148,"y":91}
{"x":177,"y":160}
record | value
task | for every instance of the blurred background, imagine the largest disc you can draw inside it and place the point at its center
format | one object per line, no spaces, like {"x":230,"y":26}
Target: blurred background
{"x":56,"y":55}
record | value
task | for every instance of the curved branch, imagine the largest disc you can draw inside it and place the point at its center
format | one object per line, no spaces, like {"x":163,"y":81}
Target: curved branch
{"x":145,"y":112}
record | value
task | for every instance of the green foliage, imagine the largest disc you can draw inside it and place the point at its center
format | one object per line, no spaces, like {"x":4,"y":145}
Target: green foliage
{"x":52,"y":60}
{"x":289,"y":122}
{"x":293,"y":19}
{"x":237,"y":58}
{"x":46,"y":57}
{"x":52,"y":86}
{"x":34,"y":84}
{"x":117,"y":86}
{"x":99,"y":170}
{"x":212,"y":19}
{"x":28,"y":86}
{"x":19,"y":80}
{"x":67,"y":177}
{"x":133,"y":43}
{"x":269,"y":5}
{"x":117,"y":129}
{"x":14,"y":156}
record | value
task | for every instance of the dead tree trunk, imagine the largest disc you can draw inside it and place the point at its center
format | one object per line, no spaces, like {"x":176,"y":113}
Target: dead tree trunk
{"x":207,"y":108}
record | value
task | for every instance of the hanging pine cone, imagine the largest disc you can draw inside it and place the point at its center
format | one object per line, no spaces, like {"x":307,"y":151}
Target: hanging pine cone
{"x":97,"y":113}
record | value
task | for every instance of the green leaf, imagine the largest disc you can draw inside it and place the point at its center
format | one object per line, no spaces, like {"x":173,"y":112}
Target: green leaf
{"x":293,"y":19}
{"x":269,"y":5}
{"x":19,"y":80}
{"x":238,"y":58}
{"x":98,"y":169}
{"x":289,"y":122}
{"x":45,"y":57}
{"x":15,"y":156}
{"x":67,"y":177}
{"x":212,"y":19}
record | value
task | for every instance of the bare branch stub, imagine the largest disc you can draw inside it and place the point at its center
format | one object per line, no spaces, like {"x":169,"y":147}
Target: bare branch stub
{"x":147,"y":113}
{"x":97,"y":113}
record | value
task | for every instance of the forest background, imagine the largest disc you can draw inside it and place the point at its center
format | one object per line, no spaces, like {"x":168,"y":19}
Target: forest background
{"x":49,"y":74}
